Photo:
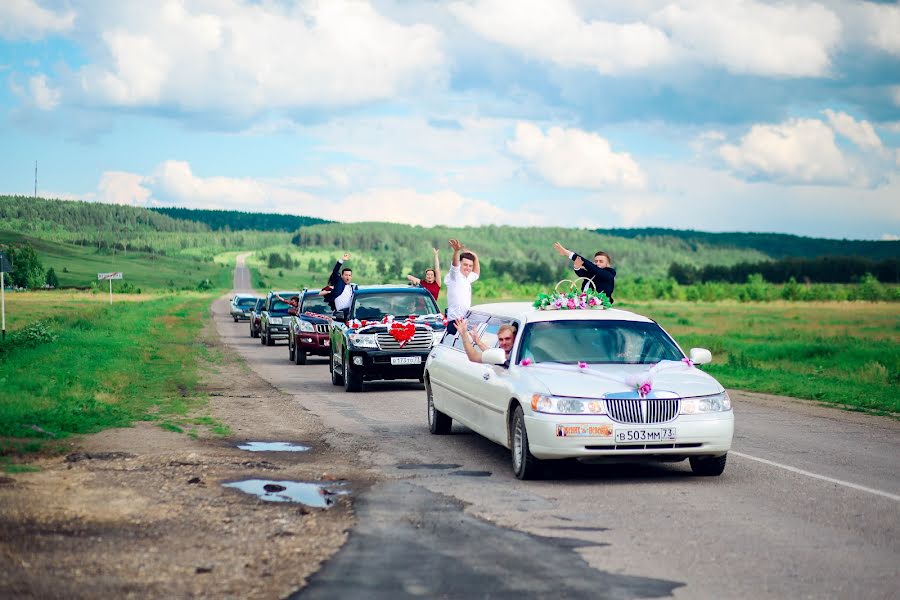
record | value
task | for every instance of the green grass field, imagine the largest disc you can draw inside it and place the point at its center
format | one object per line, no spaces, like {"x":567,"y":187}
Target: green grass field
{"x":842,"y":353}
{"x":89,"y":366}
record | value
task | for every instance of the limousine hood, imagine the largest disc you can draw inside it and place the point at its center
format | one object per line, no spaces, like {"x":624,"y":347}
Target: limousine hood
{"x":595,"y":381}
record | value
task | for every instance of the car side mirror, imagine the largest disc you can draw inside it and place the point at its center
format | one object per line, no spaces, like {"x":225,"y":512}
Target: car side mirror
{"x":700,"y":356}
{"x":340,"y":316}
{"x":493,"y":356}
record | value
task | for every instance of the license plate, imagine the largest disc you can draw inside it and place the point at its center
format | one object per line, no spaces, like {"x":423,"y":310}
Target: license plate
{"x":406,"y":360}
{"x":644,"y":435}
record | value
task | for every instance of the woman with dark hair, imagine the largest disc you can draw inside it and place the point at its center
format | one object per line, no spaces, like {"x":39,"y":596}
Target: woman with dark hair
{"x":600,"y":271}
{"x":432,"y":279}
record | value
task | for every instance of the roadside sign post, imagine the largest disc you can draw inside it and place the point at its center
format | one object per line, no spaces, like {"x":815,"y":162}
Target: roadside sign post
{"x":109,"y":277}
{"x":5,"y":267}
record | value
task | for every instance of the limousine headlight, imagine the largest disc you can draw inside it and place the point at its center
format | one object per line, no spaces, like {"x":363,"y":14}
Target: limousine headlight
{"x":706,"y":404}
{"x":363,"y":340}
{"x":567,"y":406}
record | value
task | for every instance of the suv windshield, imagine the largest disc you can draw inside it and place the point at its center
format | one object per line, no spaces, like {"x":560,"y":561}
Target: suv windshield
{"x":618,"y":342}
{"x":246,"y":302}
{"x":399,"y":305}
{"x":315,"y":303}
{"x":279,"y":306}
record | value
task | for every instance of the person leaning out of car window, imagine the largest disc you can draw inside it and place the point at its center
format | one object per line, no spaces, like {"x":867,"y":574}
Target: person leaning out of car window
{"x":475,"y":347}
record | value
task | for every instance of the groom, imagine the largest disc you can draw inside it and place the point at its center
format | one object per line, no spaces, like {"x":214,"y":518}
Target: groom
{"x":339,"y":293}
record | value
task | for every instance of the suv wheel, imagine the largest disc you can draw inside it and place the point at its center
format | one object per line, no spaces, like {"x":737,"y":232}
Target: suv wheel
{"x":262,"y":337}
{"x":269,"y":340}
{"x":291,"y":350}
{"x":335,"y":378}
{"x":438,"y":422}
{"x":353,"y":381}
{"x":299,"y":355}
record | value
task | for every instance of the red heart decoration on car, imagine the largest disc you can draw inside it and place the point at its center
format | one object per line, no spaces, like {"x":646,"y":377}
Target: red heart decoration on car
{"x":402,"y":332}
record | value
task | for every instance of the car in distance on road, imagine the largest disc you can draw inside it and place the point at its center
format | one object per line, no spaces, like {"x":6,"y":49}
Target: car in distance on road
{"x":255,"y":314}
{"x":594,"y":385}
{"x":386,"y":333}
{"x":241,"y":305}
{"x":308,"y":330}
{"x":274,"y":318}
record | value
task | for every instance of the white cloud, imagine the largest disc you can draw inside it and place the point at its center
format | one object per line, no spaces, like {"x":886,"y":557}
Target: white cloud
{"x":575,"y":158}
{"x":860,"y":133}
{"x":43,"y":96}
{"x":26,"y":19}
{"x":552,"y":30}
{"x":786,"y":40}
{"x":799,"y":151}
{"x":883,"y":26}
{"x":246,"y":57}
{"x":119,"y":187}
{"x":890,"y":237}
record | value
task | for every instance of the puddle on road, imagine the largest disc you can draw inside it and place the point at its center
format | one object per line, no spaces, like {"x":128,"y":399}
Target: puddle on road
{"x":273,"y":447}
{"x":316,"y":495}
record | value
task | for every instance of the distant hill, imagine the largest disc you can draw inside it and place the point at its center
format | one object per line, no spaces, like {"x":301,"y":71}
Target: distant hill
{"x":774,"y":245}
{"x":239,"y":221}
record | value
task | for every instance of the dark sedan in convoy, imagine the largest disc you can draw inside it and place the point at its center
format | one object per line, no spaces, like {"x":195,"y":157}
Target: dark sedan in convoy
{"x":308,"y":329}
{"x":255,"y":314}
{"x":241,"y":305}
{"x":273,"y":321}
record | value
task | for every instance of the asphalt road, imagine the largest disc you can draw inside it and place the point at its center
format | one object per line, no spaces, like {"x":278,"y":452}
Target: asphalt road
{"x":808,"y":506}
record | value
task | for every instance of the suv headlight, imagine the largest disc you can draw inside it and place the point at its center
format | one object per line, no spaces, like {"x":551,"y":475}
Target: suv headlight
{"x":306,"y":326}
{"x":706,"y":404}
{"x":363,"y":340}
{"x":567,"y":406}
{"x":274,"y":320}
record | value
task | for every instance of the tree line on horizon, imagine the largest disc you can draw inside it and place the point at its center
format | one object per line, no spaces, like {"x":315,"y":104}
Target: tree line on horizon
{"x":823,"y":269}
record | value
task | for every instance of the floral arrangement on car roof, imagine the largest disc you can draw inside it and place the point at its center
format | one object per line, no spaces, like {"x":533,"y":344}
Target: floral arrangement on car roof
{"x":573,"y":300}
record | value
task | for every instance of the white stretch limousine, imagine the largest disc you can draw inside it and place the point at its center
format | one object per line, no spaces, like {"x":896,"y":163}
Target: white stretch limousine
{"x":597,"y":385}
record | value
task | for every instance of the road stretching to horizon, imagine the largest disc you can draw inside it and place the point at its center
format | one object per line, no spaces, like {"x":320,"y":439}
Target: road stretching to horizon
{"x":808,"y":506}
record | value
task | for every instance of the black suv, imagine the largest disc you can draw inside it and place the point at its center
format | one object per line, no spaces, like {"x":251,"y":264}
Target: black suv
{"x":365,"y":348}
{"x":273,"y":321}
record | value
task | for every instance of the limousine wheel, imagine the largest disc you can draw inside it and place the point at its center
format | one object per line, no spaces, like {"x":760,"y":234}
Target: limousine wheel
{"x":353,"y":381}
{"x":525,"y":466}
{"x":708,"y":466}
{"x":336,"y":379}
{"x":438,"y":422}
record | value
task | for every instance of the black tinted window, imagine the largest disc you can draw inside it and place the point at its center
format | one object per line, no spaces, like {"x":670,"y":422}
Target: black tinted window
{"x":399,"y":305}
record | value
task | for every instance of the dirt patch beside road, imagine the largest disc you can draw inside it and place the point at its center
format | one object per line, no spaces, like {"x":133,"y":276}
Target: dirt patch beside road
{"x":142,"y":512}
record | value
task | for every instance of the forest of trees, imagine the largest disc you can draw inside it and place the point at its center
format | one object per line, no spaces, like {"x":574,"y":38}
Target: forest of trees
{"x":774,"y":245}
{"x":234,"y":220}
{"x":824,"y":269}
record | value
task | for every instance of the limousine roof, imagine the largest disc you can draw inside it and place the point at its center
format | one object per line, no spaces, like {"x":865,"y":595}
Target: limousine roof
{"x":526,"y":312}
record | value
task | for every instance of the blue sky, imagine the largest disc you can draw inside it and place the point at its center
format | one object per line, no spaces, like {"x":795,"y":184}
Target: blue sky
{"x":717,"y":115}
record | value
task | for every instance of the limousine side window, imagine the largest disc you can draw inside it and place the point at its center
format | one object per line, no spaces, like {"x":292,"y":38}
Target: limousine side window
{"x":476,"y":321}
{"x":489,"y":334}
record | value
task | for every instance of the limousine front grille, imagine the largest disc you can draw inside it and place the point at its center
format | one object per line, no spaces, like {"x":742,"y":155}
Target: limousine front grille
{"x":322,"y":328}
{"x":421,"y":340}
{"x":642,"y":411}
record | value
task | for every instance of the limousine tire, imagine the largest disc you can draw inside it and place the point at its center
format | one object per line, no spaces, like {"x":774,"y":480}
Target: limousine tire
{"x":438,"y":422}
{"x":335,"y":378}
{"x":525,"y":465}
{"x":708,"y":466}
{"x":353,"y":381}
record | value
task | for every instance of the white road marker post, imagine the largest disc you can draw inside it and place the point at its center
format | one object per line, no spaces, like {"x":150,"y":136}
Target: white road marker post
{"x":110,"y":277}
{"x":5,"y":267}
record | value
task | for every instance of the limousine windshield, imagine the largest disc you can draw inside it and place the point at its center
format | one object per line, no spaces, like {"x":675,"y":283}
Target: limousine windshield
{"x":602,"y":341}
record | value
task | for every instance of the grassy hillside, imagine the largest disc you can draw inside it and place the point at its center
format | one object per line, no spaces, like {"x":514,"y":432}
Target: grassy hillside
{"x":77,"y":266}
{"x":775,"y":245}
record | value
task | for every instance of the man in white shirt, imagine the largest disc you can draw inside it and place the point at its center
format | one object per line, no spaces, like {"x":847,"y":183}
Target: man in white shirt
{"x":340,"y":295}
{"x":464,"y":270}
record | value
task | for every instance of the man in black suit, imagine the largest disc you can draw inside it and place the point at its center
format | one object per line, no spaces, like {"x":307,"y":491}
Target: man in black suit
{"x":600,"y":271}
{"x":339,"y":292}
